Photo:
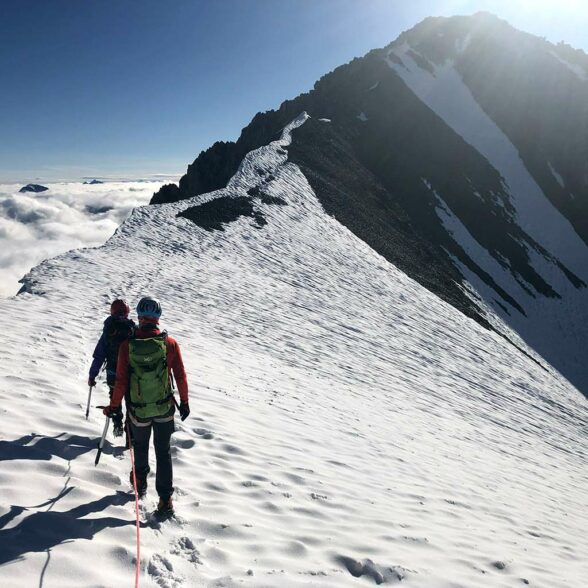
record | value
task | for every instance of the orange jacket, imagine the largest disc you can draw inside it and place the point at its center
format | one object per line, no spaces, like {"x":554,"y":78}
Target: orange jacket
{"x":174,"y":364}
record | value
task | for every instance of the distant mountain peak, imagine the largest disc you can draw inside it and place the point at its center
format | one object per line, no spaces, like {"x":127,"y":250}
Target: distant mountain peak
{"x":35,"y":188}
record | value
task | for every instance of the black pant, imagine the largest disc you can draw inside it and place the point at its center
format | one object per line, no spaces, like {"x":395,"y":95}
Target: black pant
{"x":162,"y":433}
{"x":126,"y":423}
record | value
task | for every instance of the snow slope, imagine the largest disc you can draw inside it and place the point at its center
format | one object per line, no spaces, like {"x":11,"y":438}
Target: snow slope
{"x":348,"y":428}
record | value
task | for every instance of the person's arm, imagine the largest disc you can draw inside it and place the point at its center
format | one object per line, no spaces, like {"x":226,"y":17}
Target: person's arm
{"x":99,"y":358}
{"x":177,"y":367}
{"x":122,"y":375}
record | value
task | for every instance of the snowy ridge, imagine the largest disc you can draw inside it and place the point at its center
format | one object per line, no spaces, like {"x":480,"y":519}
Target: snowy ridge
{"x":348,"y":428}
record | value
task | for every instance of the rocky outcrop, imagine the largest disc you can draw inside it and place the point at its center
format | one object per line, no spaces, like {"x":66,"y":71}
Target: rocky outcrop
{"x":35,"y":188}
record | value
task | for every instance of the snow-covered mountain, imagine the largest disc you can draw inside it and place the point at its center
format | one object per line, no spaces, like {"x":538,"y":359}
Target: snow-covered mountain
{"x":351,"y":424}
{"x":459,"y":153}
{"x":348,"y":427}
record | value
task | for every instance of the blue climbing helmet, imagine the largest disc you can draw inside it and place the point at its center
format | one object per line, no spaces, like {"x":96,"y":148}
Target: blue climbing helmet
{"x":148,"y":308}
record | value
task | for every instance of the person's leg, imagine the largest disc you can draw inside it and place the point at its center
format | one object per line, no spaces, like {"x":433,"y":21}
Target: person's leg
{"x":162,"y":433}
{"x":141,"y":437}
{"x":117,"y":419}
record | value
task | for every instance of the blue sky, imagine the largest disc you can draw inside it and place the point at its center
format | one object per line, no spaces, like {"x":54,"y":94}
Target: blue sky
{"x":139,"y":87}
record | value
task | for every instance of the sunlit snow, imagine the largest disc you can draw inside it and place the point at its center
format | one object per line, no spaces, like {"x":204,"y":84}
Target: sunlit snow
{"x":345,"y":421}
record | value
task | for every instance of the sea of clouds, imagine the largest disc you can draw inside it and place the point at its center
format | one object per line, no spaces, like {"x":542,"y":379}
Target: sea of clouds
{"x":69,"y":215}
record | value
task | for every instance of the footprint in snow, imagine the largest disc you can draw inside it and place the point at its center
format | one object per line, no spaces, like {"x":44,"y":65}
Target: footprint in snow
{"x":184,"y":443}
{"x":233,"y":449}
{"x":184,"y":547}
{"x":162,"y":571}
{"x":378,"y":573}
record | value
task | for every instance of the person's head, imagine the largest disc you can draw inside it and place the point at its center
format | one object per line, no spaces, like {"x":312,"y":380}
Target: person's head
{"x":119,"y":308}
{"x":148,"y":310}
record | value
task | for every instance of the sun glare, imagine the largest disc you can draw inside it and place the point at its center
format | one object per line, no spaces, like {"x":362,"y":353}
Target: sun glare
{"x":555,"y":7}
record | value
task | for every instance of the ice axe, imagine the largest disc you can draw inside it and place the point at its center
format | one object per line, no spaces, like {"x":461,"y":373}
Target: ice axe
{"x":101,"y":442}
{"x":173,"y":386}
{"x":88,"y":405}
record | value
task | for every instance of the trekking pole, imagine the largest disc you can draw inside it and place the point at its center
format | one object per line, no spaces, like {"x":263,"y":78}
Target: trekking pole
{"x":101,"y":443}
{"x":88,"y":405}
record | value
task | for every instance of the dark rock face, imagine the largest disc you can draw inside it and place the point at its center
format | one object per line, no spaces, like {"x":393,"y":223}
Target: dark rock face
{"x":167,"y":193}
{"x":36,"y":188}
{"x":93,"y":182}
{"x":385,"y":200}
{"x":530,"y":89}
{"x":357,"y":198}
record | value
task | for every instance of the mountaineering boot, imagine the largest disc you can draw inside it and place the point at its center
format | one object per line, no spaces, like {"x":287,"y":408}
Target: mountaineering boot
{"x":165,"y":508}
{"x":141,"y":484}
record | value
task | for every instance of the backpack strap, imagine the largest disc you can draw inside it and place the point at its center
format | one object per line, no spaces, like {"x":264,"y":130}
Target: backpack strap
{"x":144,"y":404}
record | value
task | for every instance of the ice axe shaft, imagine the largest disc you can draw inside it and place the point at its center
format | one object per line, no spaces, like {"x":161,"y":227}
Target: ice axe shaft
{"x":101,"y":443}
{"x":173,"y":385}
{"x":88,"y":405}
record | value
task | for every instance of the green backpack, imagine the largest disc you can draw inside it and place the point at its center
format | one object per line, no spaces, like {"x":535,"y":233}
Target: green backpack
{"x":150,"y":387}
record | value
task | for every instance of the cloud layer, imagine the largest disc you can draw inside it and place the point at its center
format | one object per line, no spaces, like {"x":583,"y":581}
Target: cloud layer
{"x":34,"y":227}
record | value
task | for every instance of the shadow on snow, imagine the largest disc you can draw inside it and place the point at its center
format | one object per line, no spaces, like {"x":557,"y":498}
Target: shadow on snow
{"x":65,"y":446}
{"x":43,"y":530}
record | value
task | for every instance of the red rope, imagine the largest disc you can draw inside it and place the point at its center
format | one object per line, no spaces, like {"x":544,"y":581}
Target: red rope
{"x":138,"y":566}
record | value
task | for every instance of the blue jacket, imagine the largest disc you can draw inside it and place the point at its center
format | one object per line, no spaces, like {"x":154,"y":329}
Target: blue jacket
{"x":100,"y":352}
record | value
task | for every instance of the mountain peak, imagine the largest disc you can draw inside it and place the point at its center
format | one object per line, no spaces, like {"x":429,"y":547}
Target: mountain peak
{"x":440,"y":38}
{"x":446,"y":155}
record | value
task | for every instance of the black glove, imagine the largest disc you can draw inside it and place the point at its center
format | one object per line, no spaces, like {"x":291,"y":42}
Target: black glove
{"x":184,"y":410}
{"x":91,"y":382}
{"x":117,"y":422}
{"x":111,"y":411}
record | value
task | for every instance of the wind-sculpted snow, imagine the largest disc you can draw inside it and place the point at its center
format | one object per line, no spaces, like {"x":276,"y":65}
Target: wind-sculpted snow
{"x":348,"y":428}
